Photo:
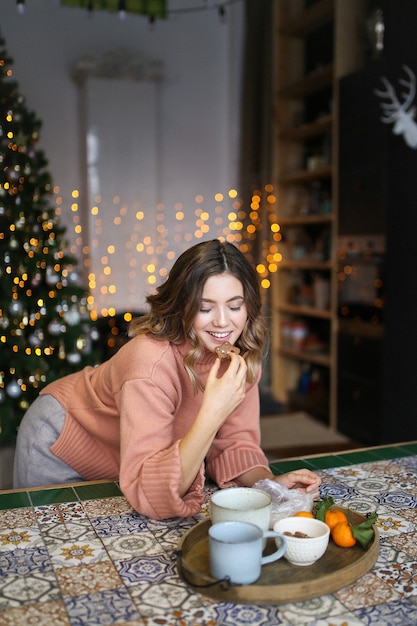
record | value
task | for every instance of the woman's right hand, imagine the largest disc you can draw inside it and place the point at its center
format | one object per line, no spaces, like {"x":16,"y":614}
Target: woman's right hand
{"x":223,"y":394}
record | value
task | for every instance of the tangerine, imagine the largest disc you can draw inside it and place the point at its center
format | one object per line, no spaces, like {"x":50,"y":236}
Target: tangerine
{"x":303,"y":514}
{"x":342,"y":535}
{"x":333,"y":517}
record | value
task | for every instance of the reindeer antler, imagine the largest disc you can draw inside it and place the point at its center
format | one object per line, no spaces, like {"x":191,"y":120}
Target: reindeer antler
{"x":392,"y":108}
{"x":388,"y":108}
{"x":411,"y":84}
{"x":401,"y":115}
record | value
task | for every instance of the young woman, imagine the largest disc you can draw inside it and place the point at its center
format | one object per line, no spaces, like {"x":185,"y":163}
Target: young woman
{"x":165,"y":409}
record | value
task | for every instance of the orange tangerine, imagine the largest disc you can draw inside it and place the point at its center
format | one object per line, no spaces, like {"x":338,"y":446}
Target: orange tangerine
{"x":333,"y":517}
{"x":342,"y":535}
{"x":303,"y":514}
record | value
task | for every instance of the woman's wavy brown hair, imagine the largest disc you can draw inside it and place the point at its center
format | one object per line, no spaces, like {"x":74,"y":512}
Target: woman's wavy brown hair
{"x":177,"y":301}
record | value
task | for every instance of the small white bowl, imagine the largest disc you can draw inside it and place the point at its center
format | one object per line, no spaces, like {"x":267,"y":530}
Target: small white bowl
{"x":303,"y":550}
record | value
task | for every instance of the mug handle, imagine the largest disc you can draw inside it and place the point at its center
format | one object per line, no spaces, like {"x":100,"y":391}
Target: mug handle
{"x":279,"y":552}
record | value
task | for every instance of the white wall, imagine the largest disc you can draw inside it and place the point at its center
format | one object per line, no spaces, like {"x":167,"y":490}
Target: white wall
{"x":198,"y":106}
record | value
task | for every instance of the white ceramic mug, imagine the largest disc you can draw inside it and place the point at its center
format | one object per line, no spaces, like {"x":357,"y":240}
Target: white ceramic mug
{"x":235,"y":550}
{"x":241,"y":504}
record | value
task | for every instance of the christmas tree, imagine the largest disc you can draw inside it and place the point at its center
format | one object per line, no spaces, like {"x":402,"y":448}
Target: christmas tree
{"x":46,"y":330}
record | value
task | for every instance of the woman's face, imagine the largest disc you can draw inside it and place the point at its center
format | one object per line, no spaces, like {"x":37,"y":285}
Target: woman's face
{"x":222,"y":314}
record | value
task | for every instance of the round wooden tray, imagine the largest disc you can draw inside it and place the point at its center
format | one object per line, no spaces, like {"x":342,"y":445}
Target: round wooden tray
{"x":280,"y":582}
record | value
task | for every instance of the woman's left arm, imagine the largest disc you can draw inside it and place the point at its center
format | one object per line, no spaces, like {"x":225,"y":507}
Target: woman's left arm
{"x":236,"y":456}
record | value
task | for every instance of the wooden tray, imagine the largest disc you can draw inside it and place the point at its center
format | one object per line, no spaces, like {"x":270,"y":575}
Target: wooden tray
{"x":280,"y":582}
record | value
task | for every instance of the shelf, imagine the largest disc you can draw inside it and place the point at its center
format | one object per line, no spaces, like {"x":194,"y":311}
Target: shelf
{"x":310,"y":20}
{"x":317,"y":359}
{"x":305,"y":171}
{"x":310,"y":83}
{"x":306,"y":220}
{"x":304,"y":311}
{"x":321,"y":126}
{"x":305,"y":176}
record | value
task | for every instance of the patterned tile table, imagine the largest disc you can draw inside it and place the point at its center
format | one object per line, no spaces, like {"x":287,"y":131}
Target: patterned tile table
{"x":80,"y":556}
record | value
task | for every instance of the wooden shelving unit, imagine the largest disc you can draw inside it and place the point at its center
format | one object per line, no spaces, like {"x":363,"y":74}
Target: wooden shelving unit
{"x":304,"y":176}
{"x":320,"y":126}
{"x":315,"y":43}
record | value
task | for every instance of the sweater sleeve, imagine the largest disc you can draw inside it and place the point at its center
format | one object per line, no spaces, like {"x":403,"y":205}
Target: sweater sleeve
{"x":150,"y":470}
{"x":236,"y":448}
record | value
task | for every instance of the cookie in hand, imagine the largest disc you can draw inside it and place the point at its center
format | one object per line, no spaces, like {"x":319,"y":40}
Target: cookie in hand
{"x":223,"y":351}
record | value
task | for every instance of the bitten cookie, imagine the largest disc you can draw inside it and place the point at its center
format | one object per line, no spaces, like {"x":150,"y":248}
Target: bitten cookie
{"x":223,"y":351}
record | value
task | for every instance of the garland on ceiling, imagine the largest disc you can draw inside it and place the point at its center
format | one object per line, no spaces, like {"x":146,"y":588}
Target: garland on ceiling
{"x":153,"y":9}
{"x":150,"y":8}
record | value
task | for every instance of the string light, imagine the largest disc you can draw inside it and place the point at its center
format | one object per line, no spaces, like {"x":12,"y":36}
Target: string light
{"x":148,"y":252}
{"x":221,"y":8}
{"x":121,"y":7}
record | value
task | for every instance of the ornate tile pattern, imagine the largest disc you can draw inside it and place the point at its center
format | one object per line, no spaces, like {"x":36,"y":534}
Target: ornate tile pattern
{"x":81,"y":556}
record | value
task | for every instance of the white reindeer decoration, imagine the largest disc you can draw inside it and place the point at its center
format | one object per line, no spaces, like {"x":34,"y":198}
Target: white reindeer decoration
{"x":401,"y":115}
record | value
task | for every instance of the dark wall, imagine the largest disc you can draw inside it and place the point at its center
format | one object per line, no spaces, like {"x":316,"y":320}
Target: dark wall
{"x":378,"y":193}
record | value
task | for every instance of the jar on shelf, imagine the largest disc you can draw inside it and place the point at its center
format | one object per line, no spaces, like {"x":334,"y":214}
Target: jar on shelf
{"x":299,"y":334}
{"x":321,"y":289}
{"x":286,"y":334}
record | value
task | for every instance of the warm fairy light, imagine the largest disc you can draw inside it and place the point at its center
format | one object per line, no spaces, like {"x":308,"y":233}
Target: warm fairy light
{"x":149,"y":251}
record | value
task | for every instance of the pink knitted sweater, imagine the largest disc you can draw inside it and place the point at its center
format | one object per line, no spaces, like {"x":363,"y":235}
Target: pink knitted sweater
{"x":125,"y":418}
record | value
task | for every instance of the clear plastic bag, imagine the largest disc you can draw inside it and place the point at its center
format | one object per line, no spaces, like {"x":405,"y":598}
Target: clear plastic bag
{"x":285,"y":502}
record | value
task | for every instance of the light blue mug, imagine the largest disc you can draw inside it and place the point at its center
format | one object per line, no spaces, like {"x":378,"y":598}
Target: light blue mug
{"x":235,"y":550}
